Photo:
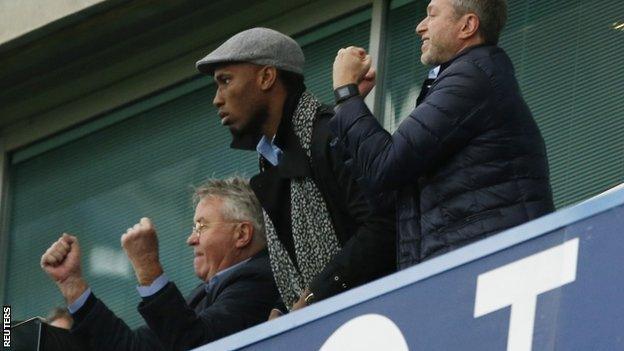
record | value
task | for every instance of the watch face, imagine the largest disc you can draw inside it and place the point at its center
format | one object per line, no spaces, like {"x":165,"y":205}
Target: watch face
{"x":342,"y":92}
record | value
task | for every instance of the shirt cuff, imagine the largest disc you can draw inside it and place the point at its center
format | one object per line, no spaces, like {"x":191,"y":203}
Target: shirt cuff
{"x":156,"y":286}
{"x":76,"y":305}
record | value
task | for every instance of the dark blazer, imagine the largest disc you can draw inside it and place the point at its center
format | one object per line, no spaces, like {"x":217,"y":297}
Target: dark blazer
{"x":240,"y":299}
{"x":467,"y":162}
{"x":367,"y":239}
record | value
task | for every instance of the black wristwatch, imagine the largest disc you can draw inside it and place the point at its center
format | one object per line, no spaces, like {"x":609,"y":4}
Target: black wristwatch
{"x":345,"y":92}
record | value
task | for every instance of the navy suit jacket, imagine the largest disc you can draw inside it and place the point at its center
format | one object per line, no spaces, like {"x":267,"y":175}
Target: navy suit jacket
{"x":240,"y":299}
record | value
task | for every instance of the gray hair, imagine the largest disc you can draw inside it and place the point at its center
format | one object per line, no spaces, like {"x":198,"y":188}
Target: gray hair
{"x":57,"y":313}
{"x":239,"y":202}
{"x":492,"y":16}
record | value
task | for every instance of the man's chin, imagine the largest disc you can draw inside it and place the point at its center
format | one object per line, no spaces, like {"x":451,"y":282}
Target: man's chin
{"x":240,"y":130}
{"x":244,"y":140}
{"x":427,"y":60}
{"x":247,"y":135}
{"x":236,"y":132}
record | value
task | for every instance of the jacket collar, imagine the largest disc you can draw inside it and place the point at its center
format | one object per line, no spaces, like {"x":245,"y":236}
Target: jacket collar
{"x":428,"y":83}
{"x":223,"y":274}
{"x":462,"y":53}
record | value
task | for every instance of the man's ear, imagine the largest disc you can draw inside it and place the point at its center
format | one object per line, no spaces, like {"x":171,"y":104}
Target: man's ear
{"x":244,"y":234}
{"x":267,"y":77}
{"x":470,"y":26}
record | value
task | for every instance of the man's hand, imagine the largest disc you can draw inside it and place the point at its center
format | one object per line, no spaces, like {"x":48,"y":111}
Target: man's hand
{"x":351,"y":66}
{"x":141,"y":245}
{"x":301,"y":303}
{"x":275,"y":313}
{"x":62,"y":263}
{"x":368,"y":82}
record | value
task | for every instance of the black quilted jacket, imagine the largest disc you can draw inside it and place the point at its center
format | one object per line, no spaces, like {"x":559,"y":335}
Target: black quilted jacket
{"x":469,"y":160}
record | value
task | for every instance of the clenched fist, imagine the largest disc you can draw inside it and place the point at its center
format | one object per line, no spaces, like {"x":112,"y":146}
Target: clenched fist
{"x":62,"y":263}
{"x":352,"y":65}
{"x":141,"y":245}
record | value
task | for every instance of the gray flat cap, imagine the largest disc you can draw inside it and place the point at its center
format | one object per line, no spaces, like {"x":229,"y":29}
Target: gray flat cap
{"x":261,"y":46}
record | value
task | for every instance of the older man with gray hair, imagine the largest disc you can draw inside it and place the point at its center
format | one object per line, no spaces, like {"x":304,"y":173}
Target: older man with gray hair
{"x":469,"y":161}
{"x":237,"y":289}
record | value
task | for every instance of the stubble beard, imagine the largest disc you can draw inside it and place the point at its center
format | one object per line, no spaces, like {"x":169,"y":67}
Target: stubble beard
{"x":431,"y":56}
{"x":435,"y":55}
{"x":254,"y":126}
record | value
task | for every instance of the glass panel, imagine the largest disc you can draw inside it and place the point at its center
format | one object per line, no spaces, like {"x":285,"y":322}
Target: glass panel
{"x":320,"y":58}
{"x":403,"y":72}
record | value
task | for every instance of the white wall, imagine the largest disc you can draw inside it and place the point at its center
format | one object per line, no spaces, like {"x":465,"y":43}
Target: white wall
{"x":18,"y":17}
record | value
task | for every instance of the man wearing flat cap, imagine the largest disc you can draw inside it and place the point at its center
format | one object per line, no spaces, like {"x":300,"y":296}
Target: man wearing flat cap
{"x":321,"y":234}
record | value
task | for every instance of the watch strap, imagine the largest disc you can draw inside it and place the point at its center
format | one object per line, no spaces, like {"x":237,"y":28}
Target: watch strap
{"x":345,"y":92}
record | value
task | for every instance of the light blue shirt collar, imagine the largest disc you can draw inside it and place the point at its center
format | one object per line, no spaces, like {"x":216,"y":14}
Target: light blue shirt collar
{"x":268,"y":150}
{"x":433,"y":73}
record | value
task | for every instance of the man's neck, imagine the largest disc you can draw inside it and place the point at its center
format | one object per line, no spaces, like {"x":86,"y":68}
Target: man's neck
{"x":270,"y":127}
{"x":275,"y":115}
{"x":229,"y":262}
{"x":466,"y":45}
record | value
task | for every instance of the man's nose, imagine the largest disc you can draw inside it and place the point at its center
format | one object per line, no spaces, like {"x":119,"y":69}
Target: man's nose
{"x":421,"y":27}
{"x":218,"y":99}
{"x":191,"y":240}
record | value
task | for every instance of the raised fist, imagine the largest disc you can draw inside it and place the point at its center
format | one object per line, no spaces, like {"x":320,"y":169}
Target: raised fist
{"x":351,"y":66}
{"x":141,"y":246}
{"x":62,"y":260}
{"x":62,"y":263}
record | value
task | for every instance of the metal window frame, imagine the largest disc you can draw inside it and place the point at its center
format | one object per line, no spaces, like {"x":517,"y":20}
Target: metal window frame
{"x":377,"y":50}
{"x":4,"y":218}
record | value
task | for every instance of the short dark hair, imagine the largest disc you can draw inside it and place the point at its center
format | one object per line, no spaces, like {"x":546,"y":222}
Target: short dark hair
{"x":292,"y":81}
{"x":492,"y":16}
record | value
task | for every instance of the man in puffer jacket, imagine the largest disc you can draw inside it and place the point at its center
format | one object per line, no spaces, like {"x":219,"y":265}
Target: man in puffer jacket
{"x":469,"y":160}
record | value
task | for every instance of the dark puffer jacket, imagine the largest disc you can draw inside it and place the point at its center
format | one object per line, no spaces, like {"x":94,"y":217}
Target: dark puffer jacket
{"x":469,"y":161}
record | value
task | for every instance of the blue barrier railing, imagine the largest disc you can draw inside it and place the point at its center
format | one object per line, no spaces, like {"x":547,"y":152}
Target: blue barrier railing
{"x":556,"y":283}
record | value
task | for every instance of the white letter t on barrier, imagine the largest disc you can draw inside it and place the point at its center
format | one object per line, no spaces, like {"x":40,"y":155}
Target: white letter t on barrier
{"x":517,"y":285}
